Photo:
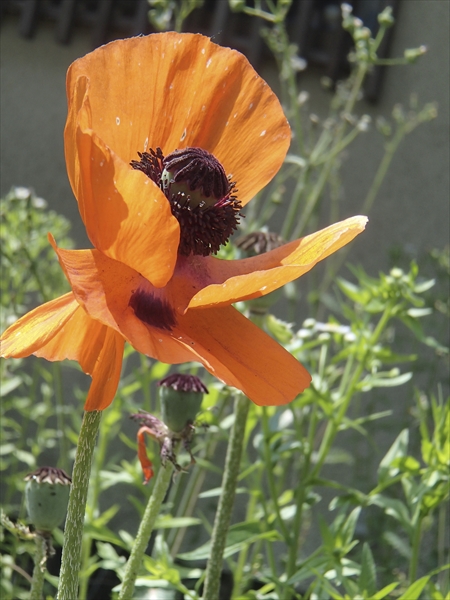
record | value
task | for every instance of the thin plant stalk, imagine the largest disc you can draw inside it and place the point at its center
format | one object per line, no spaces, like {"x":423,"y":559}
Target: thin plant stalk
{"x":73,"y":532}
{"x":226,"y":502}
{"x":146,"y":527}
{"x":415,"y":551}
{"x":192,"y":489}
{"x":40,"y":558}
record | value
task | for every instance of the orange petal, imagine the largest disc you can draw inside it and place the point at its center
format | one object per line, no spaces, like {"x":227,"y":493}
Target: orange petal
{"x":234,"y":350}
{"x":126,"y":215}
{"x":176,"y":90}
{"x":97,"y":348}
{"x":80,"y":338}
{"x":235,"y":280}
{"x":146,"y":463}
{"x":35,"y":329}
{"x":106,"y":373}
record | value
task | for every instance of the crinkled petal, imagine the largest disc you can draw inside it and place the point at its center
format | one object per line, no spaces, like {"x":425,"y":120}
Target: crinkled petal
{"x":242,"y":355}
{"x":35,"y":329}
{"x":80,"y":338}
{"x":126,"y":215}
{"x":106,"y":373}
{"x":104,"y":287}
{"x":235,"y":280}
{"x":176,"y":90}
{"x":97,"y":348}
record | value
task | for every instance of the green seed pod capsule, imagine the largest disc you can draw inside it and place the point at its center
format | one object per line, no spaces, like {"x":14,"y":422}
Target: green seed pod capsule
{"x":46,"y":497}
{"x":181,"y":397}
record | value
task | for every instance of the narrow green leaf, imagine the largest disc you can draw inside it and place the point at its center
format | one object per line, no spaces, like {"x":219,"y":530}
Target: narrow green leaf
{"x":239,"y":536}
{"x":398,"y":448}
{"x":385,"y":591}
{"x":415,"y":589}
{"x":368,"y":577}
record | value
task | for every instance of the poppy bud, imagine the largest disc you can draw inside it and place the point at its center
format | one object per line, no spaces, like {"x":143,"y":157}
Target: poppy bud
{"x":181,"y":397}
{"x":46,"y":497}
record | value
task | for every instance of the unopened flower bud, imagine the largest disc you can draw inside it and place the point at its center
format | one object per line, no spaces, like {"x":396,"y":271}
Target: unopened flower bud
{"x":46,"y":497}
{"x":385,"y":18}
{"x":412,"y":54}
{"x":181,"y":397}
{"x":364,"y":122}
{"x":362,"y":33}
{"x":384,"y":127}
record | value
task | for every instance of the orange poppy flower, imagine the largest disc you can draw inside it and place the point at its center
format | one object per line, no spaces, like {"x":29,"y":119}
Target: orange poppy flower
{"x":167,"y":137}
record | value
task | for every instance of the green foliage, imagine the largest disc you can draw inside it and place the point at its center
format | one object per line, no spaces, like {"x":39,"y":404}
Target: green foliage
{"x":30,"y":268}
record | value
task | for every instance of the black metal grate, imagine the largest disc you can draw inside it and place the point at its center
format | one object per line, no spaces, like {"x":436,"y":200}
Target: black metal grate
{"x":314,"y":25}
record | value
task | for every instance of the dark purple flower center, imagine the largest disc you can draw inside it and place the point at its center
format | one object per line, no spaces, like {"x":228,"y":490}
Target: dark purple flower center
{"x":200,"y":195}
{"x":152,"y":310}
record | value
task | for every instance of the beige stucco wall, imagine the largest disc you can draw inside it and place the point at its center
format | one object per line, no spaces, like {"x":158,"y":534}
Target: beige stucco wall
{"x":412,"y":209}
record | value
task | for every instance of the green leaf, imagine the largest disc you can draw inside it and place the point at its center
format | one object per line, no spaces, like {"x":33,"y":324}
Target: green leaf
{"x":239,"y":536}
{"x":391,"y":381}
{"x":385,"y":591}
{"x":415,"y":589}
{"x":310,"y":566}
{"x":103,"y":534}
{"x":348,"y":529}
{"x":398,"y":544}
{"x":393,"y":507}
{"x":327,"y":535}
{"x":368,"y":577}
{"x":215,"y":492}
{"x":169,"y":522}
{"x":398,"y":449}
{"x":8,"y":385}
{"x":406,"y":464}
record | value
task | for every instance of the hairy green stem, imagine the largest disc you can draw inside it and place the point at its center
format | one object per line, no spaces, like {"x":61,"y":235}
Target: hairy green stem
{"x":145,"y":529}
{"x":40,"y":559}
{"x":92,"y":507}
{"x":73,"y":532}
{"x":191,"y":491}
{"x":223,"y":515}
